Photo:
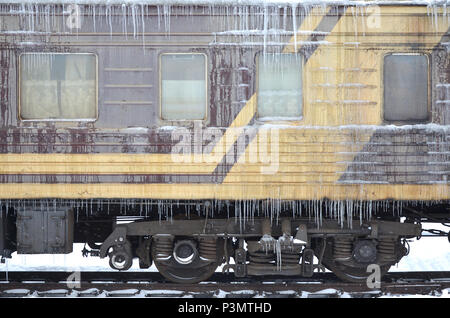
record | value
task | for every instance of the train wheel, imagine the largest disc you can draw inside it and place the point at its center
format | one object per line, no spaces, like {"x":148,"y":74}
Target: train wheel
{"x":184,"y":261}
{"x":349,"y":270}
{"x":352,"y":274}
{"x":120,"y":258}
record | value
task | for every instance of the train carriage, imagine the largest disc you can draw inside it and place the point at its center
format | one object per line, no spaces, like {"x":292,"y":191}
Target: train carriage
{"x":257,"y":134}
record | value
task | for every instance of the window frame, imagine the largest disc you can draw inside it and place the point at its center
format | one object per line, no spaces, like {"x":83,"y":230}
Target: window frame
{"x":303,"y":78}
{"x":160,"y":87}
{"x":19,"y":96}
{"x":429,"y":89}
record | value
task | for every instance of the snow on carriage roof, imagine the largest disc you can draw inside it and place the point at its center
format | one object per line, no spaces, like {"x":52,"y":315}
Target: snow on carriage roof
{"x":234,"y":2}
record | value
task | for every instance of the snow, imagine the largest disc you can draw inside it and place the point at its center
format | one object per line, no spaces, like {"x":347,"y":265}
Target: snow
{"x":427,"y":253}
{"x":58,"y":262}
{"x":279,"y":118}
{"x":270,"y":43}
{"x":124,"y":291}
{"x":431,"y":127}
{"x":169,"y":128}
{"x":135,"y":130}
{"x":269,"y":32}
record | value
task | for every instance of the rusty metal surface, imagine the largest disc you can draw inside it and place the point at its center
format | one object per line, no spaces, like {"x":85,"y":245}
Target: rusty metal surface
{"x":129,"y":97}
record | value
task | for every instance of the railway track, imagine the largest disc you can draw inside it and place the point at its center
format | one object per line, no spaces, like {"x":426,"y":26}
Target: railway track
{"x":150,"y":284}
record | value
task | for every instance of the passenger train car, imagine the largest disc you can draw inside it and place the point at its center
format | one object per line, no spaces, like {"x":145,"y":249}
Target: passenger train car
{"x":273,"y":138}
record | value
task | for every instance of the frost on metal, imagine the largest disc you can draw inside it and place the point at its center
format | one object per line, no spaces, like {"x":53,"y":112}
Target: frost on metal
{"x":274,"y":20}
{"x":131,"y":14}
{"x":230,"y":2}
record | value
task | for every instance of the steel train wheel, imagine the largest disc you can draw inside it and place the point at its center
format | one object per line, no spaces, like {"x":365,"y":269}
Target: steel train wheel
{"x":186,"y":267}
{"x":185,"y":274}
{"x":351,"y":274}
{"x":356,"y":273}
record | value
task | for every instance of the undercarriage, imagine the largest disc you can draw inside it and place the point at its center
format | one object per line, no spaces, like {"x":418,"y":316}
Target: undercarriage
{"x":189,"y":241}
{"x":191,"y":250}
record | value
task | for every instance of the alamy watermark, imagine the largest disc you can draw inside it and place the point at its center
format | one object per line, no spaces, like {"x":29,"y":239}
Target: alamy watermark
{"x":74,"y":280}
{"x":373,"y":19}
{"x":75,"y":19}
{"x":229,"y":146}
{"x":374,"y":279}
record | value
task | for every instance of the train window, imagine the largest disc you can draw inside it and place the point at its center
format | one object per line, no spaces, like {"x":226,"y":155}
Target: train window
{"x":58,"y":86}
{"x":183,"y":86}
{"x":280,"y":85}
{"x":406,"y":87}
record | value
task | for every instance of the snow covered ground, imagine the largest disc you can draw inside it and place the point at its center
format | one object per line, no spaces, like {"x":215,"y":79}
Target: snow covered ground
{"x":427,"y":253}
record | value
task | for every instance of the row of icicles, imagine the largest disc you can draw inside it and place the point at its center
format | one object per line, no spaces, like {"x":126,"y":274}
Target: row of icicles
{"x":243,"y":211}
{"x":131,"y":18}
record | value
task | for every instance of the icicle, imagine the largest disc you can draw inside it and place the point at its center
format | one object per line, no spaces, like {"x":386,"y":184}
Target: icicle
{"x":167,"y":18}
{"x":109,"y":14}
{"x":93,"y":18}
{"x":133,"y":15}
{"x":143,"y":27}
{"x":294,"y":25}
{"x":266,"y":21}
{"x":124,"y":21}
{"x":278,"y":254}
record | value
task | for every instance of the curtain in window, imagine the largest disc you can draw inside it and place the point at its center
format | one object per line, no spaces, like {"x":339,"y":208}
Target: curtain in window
{"x":57,"y":86}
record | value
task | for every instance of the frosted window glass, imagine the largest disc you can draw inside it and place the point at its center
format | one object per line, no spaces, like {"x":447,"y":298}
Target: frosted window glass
{"x":280,"y":85}
{"x":183,"y":86}
{"x":406,"y":88}
{"x":58,"y":86}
